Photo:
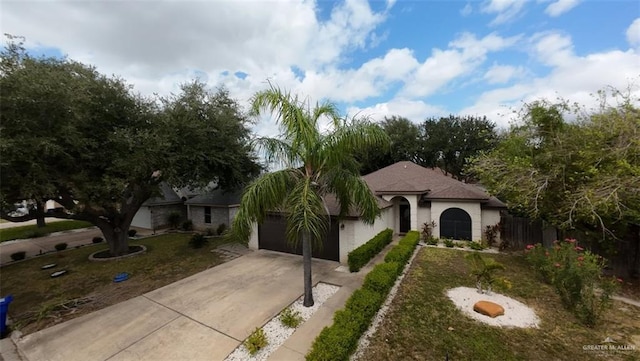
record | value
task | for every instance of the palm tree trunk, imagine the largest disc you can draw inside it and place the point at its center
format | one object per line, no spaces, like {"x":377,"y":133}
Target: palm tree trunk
{"x":306,"y":261}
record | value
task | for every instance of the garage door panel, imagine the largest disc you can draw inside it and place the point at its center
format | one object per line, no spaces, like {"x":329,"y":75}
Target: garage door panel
{"x":272,"y":236}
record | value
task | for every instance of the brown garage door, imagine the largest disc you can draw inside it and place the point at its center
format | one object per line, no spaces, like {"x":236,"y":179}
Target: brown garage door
{"x":272,"y":236}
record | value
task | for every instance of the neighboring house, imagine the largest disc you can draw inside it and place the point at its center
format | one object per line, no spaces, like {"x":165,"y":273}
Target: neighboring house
{"x":154,"y":213}
{"x":408,"y":196}
{"x":209,"y":210}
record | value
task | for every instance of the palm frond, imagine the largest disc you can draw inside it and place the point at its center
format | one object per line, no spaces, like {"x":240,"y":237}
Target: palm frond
{"x":277,"y":151}
{"x":267,"y":193}
{"x":306,"y":213}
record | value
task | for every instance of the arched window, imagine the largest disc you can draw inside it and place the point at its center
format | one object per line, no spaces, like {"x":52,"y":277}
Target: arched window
{"x":455,"y":223}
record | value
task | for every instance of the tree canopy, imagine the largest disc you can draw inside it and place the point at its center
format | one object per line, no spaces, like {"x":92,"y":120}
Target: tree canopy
{"x":89,"y":142}
{"x":446,"y":142}
{"x":579,"y":173}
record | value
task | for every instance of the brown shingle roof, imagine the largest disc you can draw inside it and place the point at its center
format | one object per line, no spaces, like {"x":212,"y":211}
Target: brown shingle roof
{"x":410,"y":178}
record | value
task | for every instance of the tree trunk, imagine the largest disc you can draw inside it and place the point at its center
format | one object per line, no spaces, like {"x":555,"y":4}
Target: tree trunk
{"x":117,"y":238}
{"x":40,"y":214}
{"x":306,"y":260}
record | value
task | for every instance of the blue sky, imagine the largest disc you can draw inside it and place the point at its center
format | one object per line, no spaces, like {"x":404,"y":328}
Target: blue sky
{"x":416,"y":59}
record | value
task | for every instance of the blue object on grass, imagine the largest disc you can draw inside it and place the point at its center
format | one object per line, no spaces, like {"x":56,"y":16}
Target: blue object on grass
{"x":121,"y":277}
{"x":4,"y":307}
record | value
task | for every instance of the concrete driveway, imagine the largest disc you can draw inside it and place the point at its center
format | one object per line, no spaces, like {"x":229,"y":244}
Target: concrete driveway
{"x":203,"y":317}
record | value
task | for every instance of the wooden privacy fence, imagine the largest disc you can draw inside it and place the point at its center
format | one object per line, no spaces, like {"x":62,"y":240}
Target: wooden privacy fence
{"x":521,"y":231}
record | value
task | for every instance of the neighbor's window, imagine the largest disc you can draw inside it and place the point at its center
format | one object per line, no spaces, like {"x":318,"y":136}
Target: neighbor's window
{"x":207,"y":214}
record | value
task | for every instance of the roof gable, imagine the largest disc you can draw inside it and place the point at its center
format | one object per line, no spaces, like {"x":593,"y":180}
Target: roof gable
{"x":410,"y":178}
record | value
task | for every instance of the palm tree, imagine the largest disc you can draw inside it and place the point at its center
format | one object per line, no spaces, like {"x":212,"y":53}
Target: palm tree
{"x":315,"y":163}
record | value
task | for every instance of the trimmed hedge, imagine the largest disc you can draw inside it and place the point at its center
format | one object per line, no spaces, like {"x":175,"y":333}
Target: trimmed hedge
{"x":340,"y":340}
{"x":363,"y":254}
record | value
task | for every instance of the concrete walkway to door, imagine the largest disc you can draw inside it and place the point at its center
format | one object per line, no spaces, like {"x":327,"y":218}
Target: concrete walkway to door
{"x":202,"y":317}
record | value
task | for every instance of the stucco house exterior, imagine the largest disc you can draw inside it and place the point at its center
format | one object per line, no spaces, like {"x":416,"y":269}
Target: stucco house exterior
{"x":210,"y":209}
{"x":408,"y":196}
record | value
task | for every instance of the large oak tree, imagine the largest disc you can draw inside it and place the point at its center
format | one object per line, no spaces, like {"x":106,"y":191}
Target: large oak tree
{"x":90,"y":143}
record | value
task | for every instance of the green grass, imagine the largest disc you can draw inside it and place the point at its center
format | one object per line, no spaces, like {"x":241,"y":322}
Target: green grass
{"x":33,"y":231}
{"x":423,"y":324}
{"x":40,"y":301}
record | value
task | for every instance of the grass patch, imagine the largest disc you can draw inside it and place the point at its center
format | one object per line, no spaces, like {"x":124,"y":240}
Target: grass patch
{"x":33,"y":231}
{"x":423,"y":324}
{"x":40,"y":301}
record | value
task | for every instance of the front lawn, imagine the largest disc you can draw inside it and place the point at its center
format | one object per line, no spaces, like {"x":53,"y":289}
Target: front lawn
{"x":423,"y":324}
{"x":33,"y":231}
{"x":41,"y":301}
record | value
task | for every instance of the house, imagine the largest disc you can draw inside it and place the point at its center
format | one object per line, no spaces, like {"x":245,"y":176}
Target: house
{"x":154,"y":212}
{"x":210,"y":209}
{"x":408,"y":196}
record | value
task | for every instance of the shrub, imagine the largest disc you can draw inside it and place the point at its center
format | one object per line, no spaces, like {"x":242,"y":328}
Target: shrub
{"x":478,"y":246}
{"x":575,"y":274}
{"x":187,"y":225}
{"x":363,"y":254}
{"x":382,"y":277}
{"x":290,"y":318}
{"x":256,"y":341}
{"x":432,"y":241}
{"x":35,"y":234}
{"x":197,"y":241}
{"x":16,"y":256}
{"x":97,"y":240}
{"x":221,"y":228}
{"x":460,"y":244}
{"x":132,"y":232}
{"x":173,"y":219}
{"x":60,"y":246}
{"x":412,"y":238}
{"x":339,"y":341}
{"x":427,"y":231}
{"x":491,"y":233}
{"x":210,"y":232}
{"x":403,"y":251}
{"x":449,"y":243}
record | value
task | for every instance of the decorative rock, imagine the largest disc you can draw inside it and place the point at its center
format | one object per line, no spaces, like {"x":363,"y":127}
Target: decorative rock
{"x":488,"y":308}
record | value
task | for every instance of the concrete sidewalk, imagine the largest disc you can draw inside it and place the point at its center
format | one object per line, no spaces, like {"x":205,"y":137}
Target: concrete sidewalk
{"x":202,"y":317}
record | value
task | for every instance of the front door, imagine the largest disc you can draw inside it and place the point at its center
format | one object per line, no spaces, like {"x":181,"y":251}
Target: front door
{"x":405,"y":218}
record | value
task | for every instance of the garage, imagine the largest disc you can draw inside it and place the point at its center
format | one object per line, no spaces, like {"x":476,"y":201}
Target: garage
{"x":272,"y":236}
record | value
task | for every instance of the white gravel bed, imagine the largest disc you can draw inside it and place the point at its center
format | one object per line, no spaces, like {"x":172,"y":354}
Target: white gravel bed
{"x":277,"y":333}
{"x":363,"y":343}
{"x":516,"y":314}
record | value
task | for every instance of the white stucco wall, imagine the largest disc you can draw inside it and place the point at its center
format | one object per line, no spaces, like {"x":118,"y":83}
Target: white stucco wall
{"x":356,"y":233}
{"x":413,"y":210}
{"x":253,"y":240}
{"x":490,"y":217}
{"x":142,"y":218}
{"x":424,"y":216}
{"x":473,"y":208}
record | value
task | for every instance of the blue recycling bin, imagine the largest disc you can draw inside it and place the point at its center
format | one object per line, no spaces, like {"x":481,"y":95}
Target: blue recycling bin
{"x":4,"y":307}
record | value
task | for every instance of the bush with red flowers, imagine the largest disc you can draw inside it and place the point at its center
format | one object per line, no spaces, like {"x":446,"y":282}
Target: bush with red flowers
{"x":576,"y":275}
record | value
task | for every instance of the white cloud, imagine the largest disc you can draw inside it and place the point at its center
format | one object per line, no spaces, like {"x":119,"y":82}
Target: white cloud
{"x":505,"y":10}
{"x":553,"y":48}
{"x":560,"y":7}
{"x":572,"y":77}
{"x":500,"y":74}
{"x":414,"y":110}
{"x":633,"y":33}
{"x":466,"y":10}
{"x":464,"y":55}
